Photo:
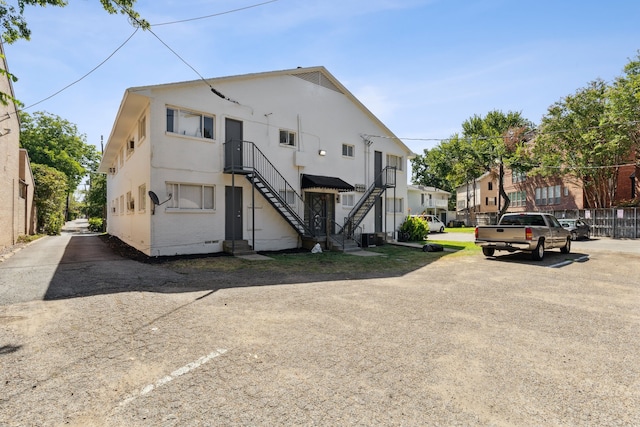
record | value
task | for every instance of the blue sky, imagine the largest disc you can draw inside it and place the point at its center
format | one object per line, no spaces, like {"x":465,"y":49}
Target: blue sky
{"x":422,"y":66}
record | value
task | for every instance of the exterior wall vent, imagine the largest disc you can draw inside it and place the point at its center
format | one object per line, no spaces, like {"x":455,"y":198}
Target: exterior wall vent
{"x":316,"y":77}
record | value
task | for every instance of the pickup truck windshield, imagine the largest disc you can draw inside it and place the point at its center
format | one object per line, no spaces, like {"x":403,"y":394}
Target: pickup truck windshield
{"x":522,"y":220}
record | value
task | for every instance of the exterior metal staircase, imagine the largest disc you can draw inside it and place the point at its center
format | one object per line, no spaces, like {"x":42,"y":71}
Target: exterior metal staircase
{"x":386,"y":179}
{"x":244,"y":158}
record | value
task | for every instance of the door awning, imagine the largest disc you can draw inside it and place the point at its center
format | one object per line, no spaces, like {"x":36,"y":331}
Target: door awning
{"x":330,"y":182}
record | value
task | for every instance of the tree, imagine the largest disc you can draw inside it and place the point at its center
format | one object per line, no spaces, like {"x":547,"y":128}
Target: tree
{"x":498,"y":140}
{"x":14,"y":24}
{"x":53,"y":141}
{"x":588,"y":135}
{"x":96,"y":197}
{"x":50,"y":192}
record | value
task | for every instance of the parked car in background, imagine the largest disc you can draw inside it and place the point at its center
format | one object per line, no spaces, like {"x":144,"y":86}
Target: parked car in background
{"x":577,"y":227}
{"x":435,"y":225}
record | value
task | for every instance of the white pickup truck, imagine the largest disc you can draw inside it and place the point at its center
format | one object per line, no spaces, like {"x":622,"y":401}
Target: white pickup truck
{"x":529,"y":231}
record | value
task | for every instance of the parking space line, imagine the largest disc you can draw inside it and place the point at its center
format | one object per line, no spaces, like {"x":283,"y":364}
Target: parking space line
{"x":173,"y":375}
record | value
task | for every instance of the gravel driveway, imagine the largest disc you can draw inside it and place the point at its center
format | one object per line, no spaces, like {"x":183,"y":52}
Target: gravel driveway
{"x":462,"y":341}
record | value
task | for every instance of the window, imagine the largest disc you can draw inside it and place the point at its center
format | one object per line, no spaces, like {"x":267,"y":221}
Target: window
{"x":348,"y":200}
{"x":348,"y":150}
{"x":121,"y":205}
{"x":490,"y":186}
{"x":558,"y":196}
{"x":190,"y":123}
{"x":23,"y":189}
{"x":394,"y":205}
{"x":549,"y":195}
{"x":394,"y":161}
{"x":190,"y":196}
{"x":130,"y":202}
{"x":287,"y":138}
{"x":142,"y":198}
{"x":518,"y":198}
{"x":518,"y":177}
{"x":142,"y":128}
{"x":288,"y":196}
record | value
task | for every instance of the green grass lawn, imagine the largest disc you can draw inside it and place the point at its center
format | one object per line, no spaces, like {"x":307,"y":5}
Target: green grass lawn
{"x":460,"y":230}
{"x":393,"y":260}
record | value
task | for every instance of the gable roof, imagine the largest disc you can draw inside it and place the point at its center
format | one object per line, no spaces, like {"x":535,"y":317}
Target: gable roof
{"x":426,"y":189}
{"x":135,"y":98}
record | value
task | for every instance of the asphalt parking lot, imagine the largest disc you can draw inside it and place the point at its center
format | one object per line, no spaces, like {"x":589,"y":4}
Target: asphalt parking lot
{"x":462,"y":341}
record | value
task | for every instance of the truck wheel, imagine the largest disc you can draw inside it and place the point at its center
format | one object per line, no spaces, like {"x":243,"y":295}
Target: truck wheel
{"x":566,"y":248}
{"x":538,"y":253}
{"x":488,"y":251}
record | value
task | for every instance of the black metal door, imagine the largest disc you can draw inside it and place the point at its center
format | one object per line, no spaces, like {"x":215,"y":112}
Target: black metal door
{"x":233,"y":136}
{"x":378,"y":208}
{"x":319,"y":213}
{"x":233,"y":213}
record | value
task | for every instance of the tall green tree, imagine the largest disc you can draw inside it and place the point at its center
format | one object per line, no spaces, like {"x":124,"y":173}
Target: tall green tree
{"x":96,"y":197}
{"x":56,"y":142}
{"x":586,"y":136}
{"x":497,"y":140}
{"x":50,"y":197}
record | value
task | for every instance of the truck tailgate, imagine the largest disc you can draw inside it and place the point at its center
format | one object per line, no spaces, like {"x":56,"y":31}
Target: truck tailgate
{"x":502,"y":233}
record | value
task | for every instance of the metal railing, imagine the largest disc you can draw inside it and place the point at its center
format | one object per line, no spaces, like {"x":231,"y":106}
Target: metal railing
{"x":244,"y":157}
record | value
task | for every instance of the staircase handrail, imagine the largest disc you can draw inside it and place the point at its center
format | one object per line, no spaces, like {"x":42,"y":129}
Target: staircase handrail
{"x":383,"y":174}
{"x":254,"y":161}
{"x":385,"y":179}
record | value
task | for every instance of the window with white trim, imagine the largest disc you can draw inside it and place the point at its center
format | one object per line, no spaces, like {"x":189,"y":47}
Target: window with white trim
{"x":130,"y":202}
{"x":348,"y":200}
{"x":142,"y":128}
{"x":142,"y":198}
{"x":518,"y":198}
{"x":287,"y":138}
{"x":348,"y":150}
{"x":288,"y":196}
{"x":518,"y":177}
{"x":395,"y":205}
{"x":191,"y":196}
{"x":394,"y":161}
{"x":190,"y":123}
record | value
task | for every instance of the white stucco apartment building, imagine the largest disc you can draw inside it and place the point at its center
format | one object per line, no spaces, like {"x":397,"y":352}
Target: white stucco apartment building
{"x":428,"y":200}
{"x":276,"y":159}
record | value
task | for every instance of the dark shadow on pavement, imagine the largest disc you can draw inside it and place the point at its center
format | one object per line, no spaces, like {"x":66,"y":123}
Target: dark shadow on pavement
{"x":92,"y":265}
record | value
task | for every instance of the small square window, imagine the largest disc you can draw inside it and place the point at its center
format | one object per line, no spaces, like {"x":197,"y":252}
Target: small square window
{"x":348,"y":150}
{"x":287,"y":138}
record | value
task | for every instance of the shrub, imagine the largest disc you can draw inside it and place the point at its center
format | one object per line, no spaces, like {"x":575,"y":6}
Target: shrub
{"x":95,"y":224}
{"x":413,"y":228}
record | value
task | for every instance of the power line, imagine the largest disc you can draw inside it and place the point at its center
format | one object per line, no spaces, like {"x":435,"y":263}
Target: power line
{"x":84,"y":76}
{"x":484,"y":138}
{"x":215,"y":14}
{"x":141,"y":24}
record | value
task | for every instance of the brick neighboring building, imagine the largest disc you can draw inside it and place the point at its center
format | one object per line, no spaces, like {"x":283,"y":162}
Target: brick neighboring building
{"x":17,"y":212}
{"x":558,"y":193}
{"x":477,"y":201}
